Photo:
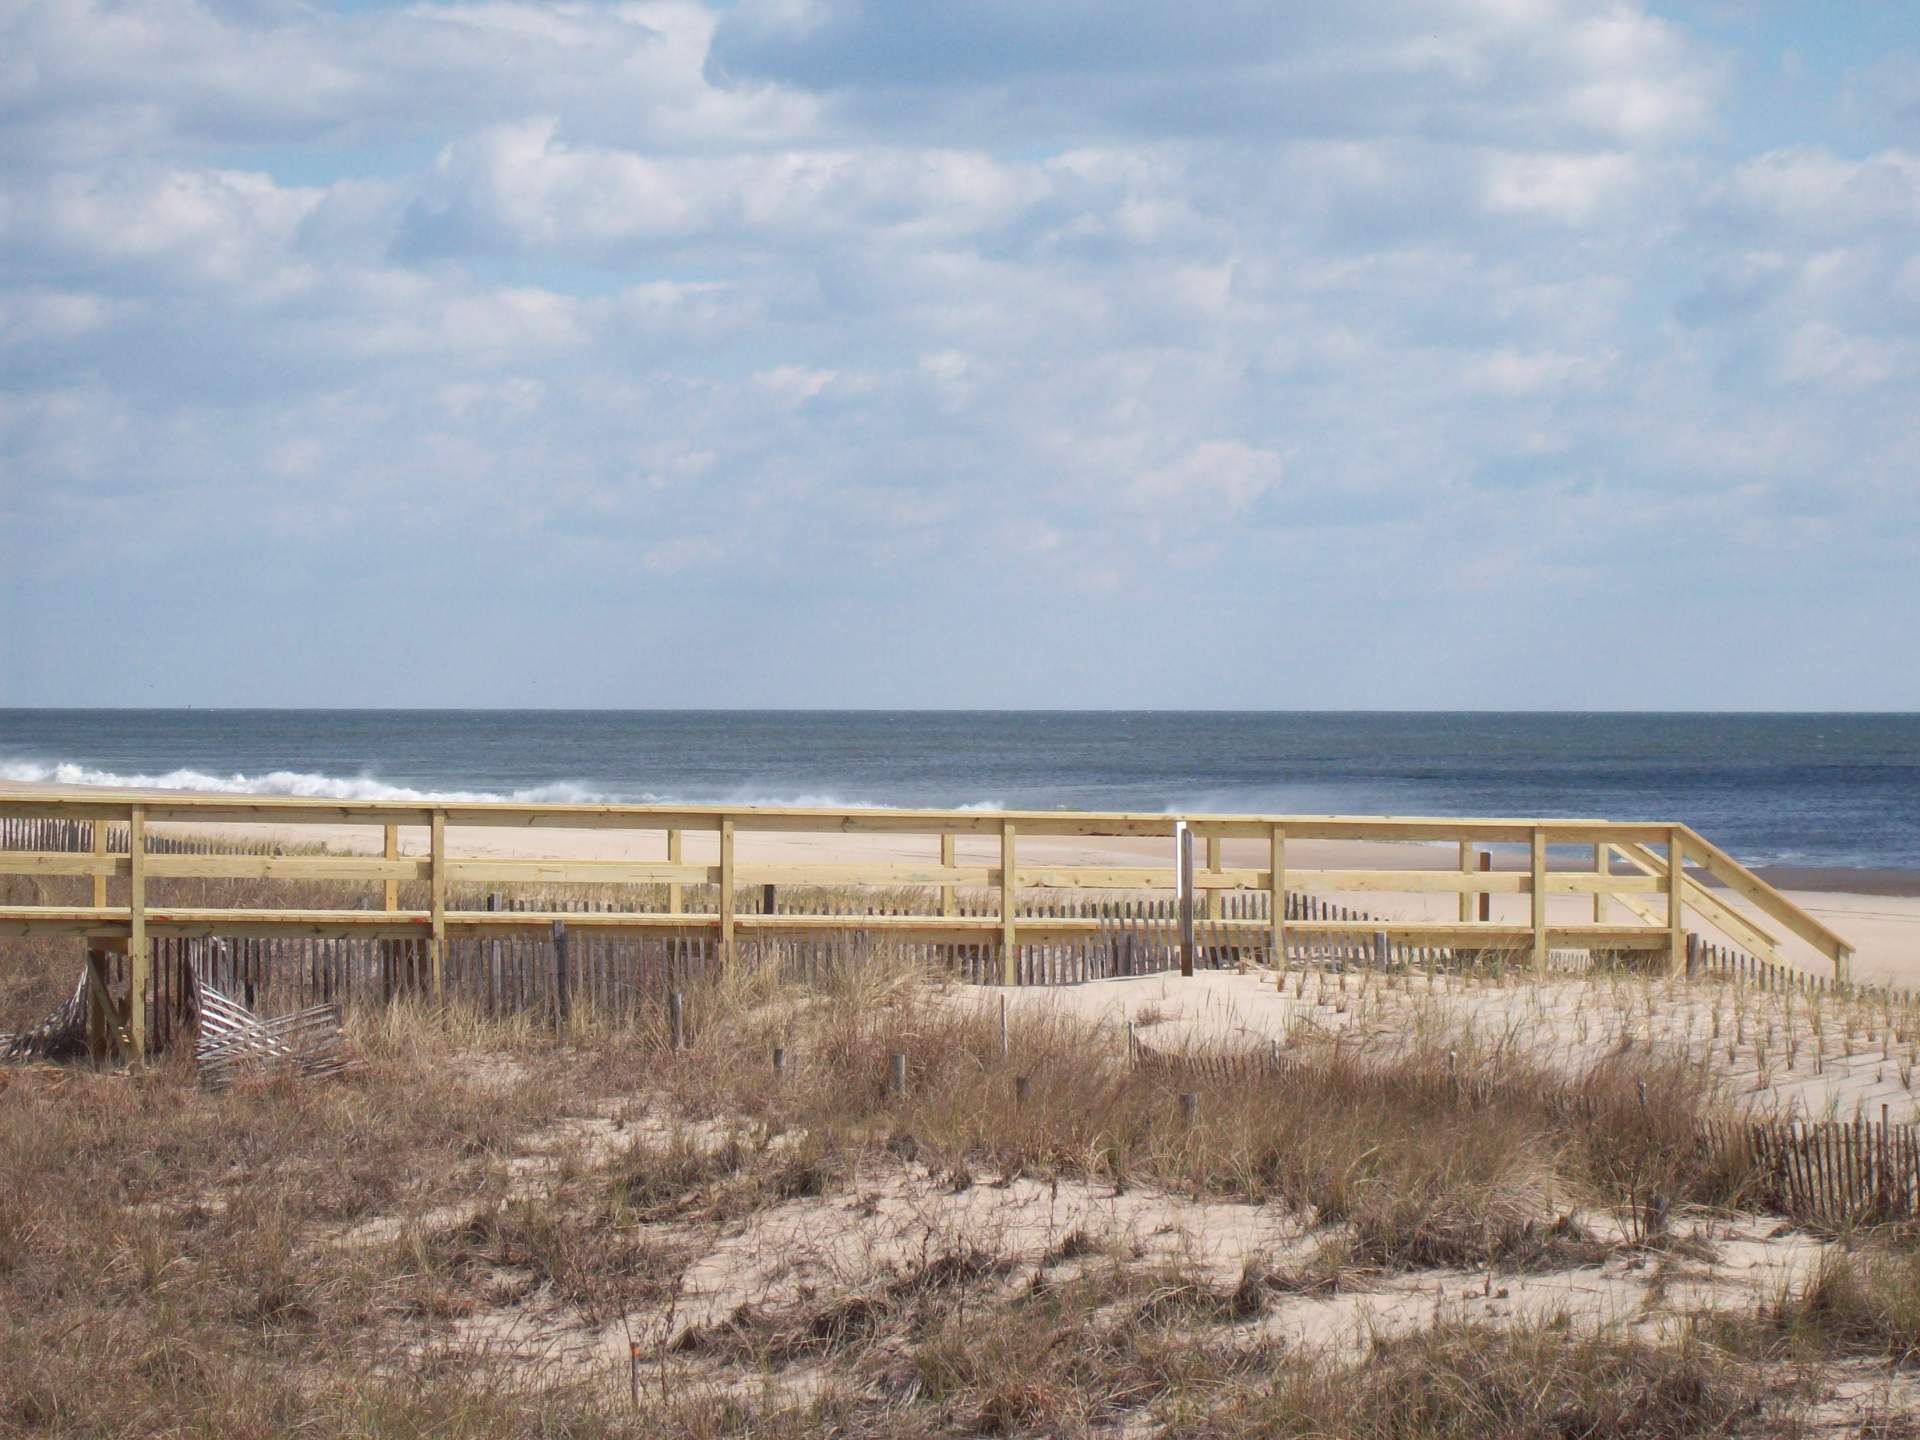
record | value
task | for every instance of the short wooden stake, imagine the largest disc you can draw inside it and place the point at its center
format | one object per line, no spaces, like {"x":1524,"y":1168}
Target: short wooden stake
{"x":562,"y":977}
{"x":677,"y":1018}
{"x":1189,"y":1108}
{"x":897,"y":1080}
{"x":1022,"y":1089}
{"x":779,"y":1062}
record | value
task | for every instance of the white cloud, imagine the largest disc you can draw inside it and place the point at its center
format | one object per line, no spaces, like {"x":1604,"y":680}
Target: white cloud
{"x":674,"y":557}
{"x":871,"y":310}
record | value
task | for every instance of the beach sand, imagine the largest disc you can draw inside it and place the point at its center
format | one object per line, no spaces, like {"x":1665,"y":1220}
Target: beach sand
{"x":1877,"y":910}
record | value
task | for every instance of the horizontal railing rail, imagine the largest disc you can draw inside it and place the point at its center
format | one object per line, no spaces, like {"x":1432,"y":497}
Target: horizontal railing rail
{"x":1631,"y":864}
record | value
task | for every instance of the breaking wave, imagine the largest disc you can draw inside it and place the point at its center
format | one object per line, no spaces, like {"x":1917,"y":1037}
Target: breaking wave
{"x":306,"y":784}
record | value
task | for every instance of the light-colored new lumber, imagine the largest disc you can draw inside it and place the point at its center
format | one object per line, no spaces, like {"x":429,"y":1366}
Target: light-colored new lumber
{"x":1466,"y":872}
{"x":1214,"y":869}
{"x":1009,"y":892}
{"x":61,"y":862}
{"x":111,"y":925}
{"x":1676,"y":902}
{"x":100,"y":856}
{"x":390,"y":849}
{"x":1539,"y":893}
{"x":1633,"y":840}
{"x":1742,"y":881}
{"x":579,"y":872}
{"x":1277,"y":895}
{"x":437,"y":897}
{"x":139,"y":945}
{"x":1722,"y":916}
{"x":726,"y":892}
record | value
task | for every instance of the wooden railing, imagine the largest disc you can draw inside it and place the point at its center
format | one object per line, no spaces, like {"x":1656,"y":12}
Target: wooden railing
{"x":1654,"y":890}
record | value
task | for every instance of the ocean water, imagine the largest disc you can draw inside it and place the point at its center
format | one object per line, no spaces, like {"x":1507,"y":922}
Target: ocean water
{"x":1817,"y":790}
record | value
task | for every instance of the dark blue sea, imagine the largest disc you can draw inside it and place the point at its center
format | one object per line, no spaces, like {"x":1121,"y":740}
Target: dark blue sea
{"x":1798,"y":790}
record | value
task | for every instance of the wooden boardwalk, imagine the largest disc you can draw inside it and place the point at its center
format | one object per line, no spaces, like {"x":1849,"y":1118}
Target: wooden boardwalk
{"x":1011,"y":922}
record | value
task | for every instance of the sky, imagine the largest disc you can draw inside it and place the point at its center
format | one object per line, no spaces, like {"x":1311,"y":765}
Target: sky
{"x":1522,"y":354}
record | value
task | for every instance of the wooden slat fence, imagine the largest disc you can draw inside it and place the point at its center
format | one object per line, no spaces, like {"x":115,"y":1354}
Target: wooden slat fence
{"x":1830,"y":1174}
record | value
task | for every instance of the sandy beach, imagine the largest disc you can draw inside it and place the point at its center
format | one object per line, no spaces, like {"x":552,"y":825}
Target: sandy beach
{"x":1878,"y":910}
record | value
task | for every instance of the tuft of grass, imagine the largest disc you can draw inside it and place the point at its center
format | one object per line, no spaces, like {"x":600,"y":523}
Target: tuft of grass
{"x":1459,"y":1381}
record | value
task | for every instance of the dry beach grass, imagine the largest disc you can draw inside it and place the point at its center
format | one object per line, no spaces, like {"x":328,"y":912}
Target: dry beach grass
{"x":490,"y":1229}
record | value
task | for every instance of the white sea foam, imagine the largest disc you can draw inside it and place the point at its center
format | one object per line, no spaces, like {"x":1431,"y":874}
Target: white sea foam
{"x":302,"y":783}
{"x":312,"y":785}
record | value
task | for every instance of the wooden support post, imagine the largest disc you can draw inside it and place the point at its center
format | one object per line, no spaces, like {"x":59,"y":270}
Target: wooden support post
{"x":103,"y":1024}
{"x":897,"y":1079}
{"x":391,"y":850}
{"x":767,"y":899}
{"x":139,"y":947}
{"x":1676,"y":906}
{"x":1186,"y":901}
{"x":1009,"y":891}
{"x":674,"y":849}
{"x":1277,"y":896}
{"x":676,"y":1019}
{"x":1486,"y":899}
{"x":726,"y":892}
{"x":1539,"y":899}
{"x":949,"y":894}
{"x":1466,"y":868}
{"x":437,"y":899}
{"x":1602,"y":865}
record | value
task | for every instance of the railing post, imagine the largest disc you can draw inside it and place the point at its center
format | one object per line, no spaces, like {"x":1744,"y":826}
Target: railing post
{"x":437,"y":899}
{"x":1539,"y":888}
{"x":674,"y":852}
{"x":1466,"y":868}
{"x":1486,"y":896}
{"x":1009,"y":890}
{"x":100,"y":853}
{"x":391,"y":850}
{"x":726,"y":892}
{"x":1277,"y":895}
{"x":1602,"y":865}
{"x":139,"y":948}
{"x":1676,"y":908}
{"x":1214,"y":864}
{"x":1186,"y":900}
{"x":949,"y":893}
